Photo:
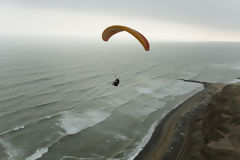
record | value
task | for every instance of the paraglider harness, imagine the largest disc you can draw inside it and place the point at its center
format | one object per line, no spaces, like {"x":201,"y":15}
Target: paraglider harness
{"x":116,"y":82}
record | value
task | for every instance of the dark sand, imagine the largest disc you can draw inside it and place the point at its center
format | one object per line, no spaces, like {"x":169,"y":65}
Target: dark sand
{"x":168,"y":141}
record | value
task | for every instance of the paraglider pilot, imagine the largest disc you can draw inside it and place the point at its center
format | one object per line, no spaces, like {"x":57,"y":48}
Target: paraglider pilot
{"x":116,"y":82}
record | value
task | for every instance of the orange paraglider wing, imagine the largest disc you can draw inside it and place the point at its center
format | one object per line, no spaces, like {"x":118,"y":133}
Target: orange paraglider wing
{"x":110,"y":31}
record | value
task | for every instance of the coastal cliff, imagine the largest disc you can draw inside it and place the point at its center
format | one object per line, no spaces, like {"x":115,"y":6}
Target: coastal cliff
{"x":214,"y":132}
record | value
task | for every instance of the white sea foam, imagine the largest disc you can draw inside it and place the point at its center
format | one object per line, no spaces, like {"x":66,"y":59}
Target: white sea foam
{"x":96,"y":157}
{"x":18,"y":127}
{"x":37,"y":154}
{"x":40,"y":119}
{"x":144,"y":141}
{"x":178,"y":88}
{"x":144,"y":90}
{"x":75,"y":122}
{"x":77,"y":158}
{"x":52,"y":115}
{"x":10,"y":130}
{"x":11,"y":151}
{"x":122,"y":137}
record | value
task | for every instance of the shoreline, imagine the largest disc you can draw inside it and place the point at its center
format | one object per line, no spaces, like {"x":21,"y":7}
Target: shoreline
{"x":168,"y":137}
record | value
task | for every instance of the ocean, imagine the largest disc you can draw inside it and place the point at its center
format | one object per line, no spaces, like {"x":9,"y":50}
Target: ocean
{"x":57,"y":101}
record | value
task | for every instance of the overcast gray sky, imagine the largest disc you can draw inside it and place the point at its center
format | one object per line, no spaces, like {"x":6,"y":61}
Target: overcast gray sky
{"x":181,"y":20}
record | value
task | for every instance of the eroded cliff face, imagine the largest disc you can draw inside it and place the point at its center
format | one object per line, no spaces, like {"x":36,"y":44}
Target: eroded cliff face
{"x":214,"y":132}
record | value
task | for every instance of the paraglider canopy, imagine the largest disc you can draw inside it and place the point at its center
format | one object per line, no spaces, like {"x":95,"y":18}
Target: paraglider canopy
{"x":110,"y":31}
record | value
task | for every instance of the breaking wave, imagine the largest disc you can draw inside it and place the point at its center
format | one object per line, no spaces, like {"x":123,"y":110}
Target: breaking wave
{"x":75,"y":122}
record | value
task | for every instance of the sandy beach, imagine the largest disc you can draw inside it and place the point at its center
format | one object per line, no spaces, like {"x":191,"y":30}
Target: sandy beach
{"x":178,"y":133}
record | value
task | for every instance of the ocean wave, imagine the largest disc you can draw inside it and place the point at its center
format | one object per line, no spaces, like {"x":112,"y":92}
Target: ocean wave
{"x":30,"y":82}
{"x":36,"y":73}
{"x":182,"y":87}
{"x":187,"y":75}
{"x":95,"y":157}
{"x":79,"y":90}
{"x":64,"y":83}
{"x":176,"y":89}
{"x":28,"y":108}
{"x":93,"y":76}
{"x":41,"y":151}
{"x":19,"y":99}
{"x":17,"y":128}
{"x":147,"y":68}
{"x":10,"y":150}
{"x":77,"y":158}
{"x":73,"y":122}
{"x":37,"y":154}
{"x":13,"y":152}
{"x":38,"y":80}
{"x":12,"y":98}
{"x":162,"y":75}
{"x":98,"y":97}
{"x":144,"y":90}
{"x":47,"y":117}
{"x":143,"y":142}
{"x":26,"y":123}
{"x":122,"y":137}
{"x":10,"y":130}
{"x":44,"y":94}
